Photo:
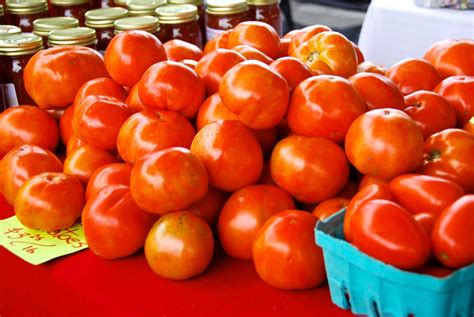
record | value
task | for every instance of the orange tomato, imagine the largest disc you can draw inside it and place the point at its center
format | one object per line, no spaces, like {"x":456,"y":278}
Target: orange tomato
{"x":106,"y":175}
{"x":191,"y":63}
{"x":210,"y":206}
{"x":284,"y":45}
{"x":359,"y":54}
{"x":101,"y":86}
{"x":413,"y":74}
{"x":327,"y":208}
{"x":252,"y":53}
{"x":469,"y":126}
{"x":368,"y":180}
{"x":426,"y":221}
{"x":459,"y":92}
{"x":369,"y":67}
{"x":74,"y":143}
{"x":221,"y":41}
{"x":177,"y":50}
{"x":299,"y":37}
{"x":258,"y":35}
{"x":453,"y":57}
{"x":133,"y":100}
{"x":65,"y":125}
{"x":292,"y":69}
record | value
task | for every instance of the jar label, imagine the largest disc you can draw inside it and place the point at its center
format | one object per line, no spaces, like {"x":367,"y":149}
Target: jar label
{"x":213,"y":33}
{"x":8,"y":95}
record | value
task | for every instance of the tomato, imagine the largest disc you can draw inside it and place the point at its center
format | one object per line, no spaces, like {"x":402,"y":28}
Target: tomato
{"x":74,"y":143}
{"x":453,"y":241}
{"x":324,"y":106}
{"x":349,"y":190}
{"x":284,"y":45}
{"x":436,"y":271}
{"x":375,"y":139}
{"x":469,"y":127}
{"x":377,"y":91}
{"x":329,"y":52}
{"x":52,"y":77}
{"x":97,"y":120}
{"x":426,"y":221}
{"x":101,"y":86}
{"x":49,"y":201}
{"x":27,"y":125}
{"x":252,"y":53}
{"x":114,"y":226}
{"x":384,"y":230}
{"x":266,"y":176}
{"x":431,"y":112}
{"x":133,"y":100}
{"x":328,"y":207}
{"x":413,"y":74}
{"x":453,"y":57}
{"x":266,"y":107}
{"x":285,"y":254}
{"x":210,"y":206}
{"x":106,"y":175}
{"x":179,"y":246}
{"x":191,"y":63}
{"x":221,"y":41}
{"x":65,"y":125}
{"x":148,"y":131}
{"x":214,"y":65}
{"x":20,"y":164}
{"x":310,"y":169}
{"x":292,"y":69}
{"x":301,"y":36}
{"x":448,"y":154}
{"x":370,"y":192}
{"x":459,"y":92}
{"x":231,"y":154}
{"x":258,"y":35}
{"x":171,"y":86}
{"x":84,"y":160}
{"x":177,"y":50}
{"x":369,"y":180}
{"x":359,"y":54}
{"x":244,"y":214}
{"x":168,"y":180}
{"x":130,"y":54}
{"x":369,"y":67}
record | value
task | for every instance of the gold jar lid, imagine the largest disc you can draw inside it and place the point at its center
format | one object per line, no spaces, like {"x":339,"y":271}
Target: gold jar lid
{"x":73,"y":36}
{"x":26,"y":6}
{"x":144,"y":23}
{"x":7,"y":30}
{"x":42,"y":27}
{"x":104,"y":18}
{"x":193,"y":2}
{"x":122,"y":3}
{"x":20,"y":44}
{"x":178,"y":13}
{"x":263,"y":2}
{"x":68,"y":3}
{"x":225,"y":7}
{"x":144,"y":7}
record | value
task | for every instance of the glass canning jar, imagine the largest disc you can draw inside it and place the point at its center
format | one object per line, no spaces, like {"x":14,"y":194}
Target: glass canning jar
{"x":267,"y":11}
{"x":81,"y":36}
{"x":144,"y":23}
{"x":179,"y":22}
{"x":201,"y":13}
{"x":42,"y":27}
{"x":71,"y":8}
{"x":2,"y":14}
{"x":22,"y":13}
{"x":120,"y":3}
{"x":102,"y":20}
{"x":144,"y":7}
{"x":6,"y":30}
{"x":223,"y":15}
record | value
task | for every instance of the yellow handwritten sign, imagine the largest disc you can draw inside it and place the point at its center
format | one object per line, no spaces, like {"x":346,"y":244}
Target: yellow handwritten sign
{"x":36,"y":246}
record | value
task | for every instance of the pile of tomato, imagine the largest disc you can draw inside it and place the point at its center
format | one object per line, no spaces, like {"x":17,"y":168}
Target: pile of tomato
{"x":250,"y":142}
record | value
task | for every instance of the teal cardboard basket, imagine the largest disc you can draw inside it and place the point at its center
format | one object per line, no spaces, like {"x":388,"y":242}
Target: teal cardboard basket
{"x":367,"y":286}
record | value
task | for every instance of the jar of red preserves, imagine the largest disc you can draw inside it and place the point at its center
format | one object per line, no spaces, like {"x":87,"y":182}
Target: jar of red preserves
{"x":121,"y":3}
{"x":81,"y":36}
{"x":144,"y":7}
{"x":267,"y":11}
{"x":201,"y":13}
{"x":42,"y":27}
{"x":102,"y":20}
{"x":71,"y":8}
{"x":22,"y":13}
{"x":223,"y":15}
{"x":144,"y":23}
{"x":15,"y":52}
{"x":179,"y":22}
{"x":2,"y":14}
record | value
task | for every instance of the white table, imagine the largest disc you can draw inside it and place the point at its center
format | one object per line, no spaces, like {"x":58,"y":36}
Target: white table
{"x":398,"y":29}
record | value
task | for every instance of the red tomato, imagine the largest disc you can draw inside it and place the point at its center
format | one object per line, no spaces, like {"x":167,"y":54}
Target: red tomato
{"x":65,"y":125}
{"x":310,"y":169}
{"x":469,"y":127}
{"x":452,"y":236}
{"x":436,"y":271}
{"x":375,"y":139}
{"x":426,"y":221}
{"x":130,"y":54}
{"x":149,"y":131}
{"x":171,"y":86}
{"x":431,"y":112}
{"x":27,"y":125}
{"x":114,"y":226}
{"x":413,"y":74}
{"x":244,"y":214}
{"x":221,"y":41}
{"x":210,"y":206}
{"x":168,"y":180}
{"x":452,"y":57}
{"x":252,"y":53}
{"x":106,"y":175}
{"x":284,"y":45}
{"x":299,"y":37}
{"x":177,"y":50}
{"x":349,"y":190}
{"x":258,"y":35}
{"x":459,"y":92}
{"x":329,"y":207}
{"x":369,"y":67}
{"x":190,"y":63}
{"x":133,"y":100}
{"x":448,"y":154}
{"x":49,"y":201}
{"x":101,"y":86}
{"x":231,"y":154}
{"x":266,"y":107}
{"x":266,"y":176}
{"x":324,"y":106}
{"x":285,"y":254}
{"x":360,"y":56}
{"x":74,"y":143}
{"x":179,"y":246}
{"x":384,"y":230}
{"x":292,"y":69}
{"x":369,"y":180}
{"x":377,"y":91}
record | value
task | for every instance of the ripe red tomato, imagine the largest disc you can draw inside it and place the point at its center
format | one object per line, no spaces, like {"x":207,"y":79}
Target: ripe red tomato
{"x":101,"y":86}
{"x":177,"y":50}
{"x":244,"y":214}
{"x":252,"y":53}
{"x":65,"y":125}
{"x":369,"y":180}
{"x":266,"y":176}
{"x":49,"y":201}
{"x":114,"y":226}
{"x":133,"y":100}
{"x":168,"y":180}
{"x":149,"y":131}
{"x":220,"y":41}
{"x":299,"y":37}
{"x":106,"y":175}
{"x":384,"y":230}
{"x":436,"y":271}
{"x":292,"y":69}
{"x":469,"y":127}
{"x":448,"y":154}
{"x":179,"y":246}
{"x":413,"y":74}
{"x":74,"y":143}
{"x":171,"y":86}
{"x":349,"y":190}
{"x":327,"y":208}
{"x":258,"y":35}
{"x":310,"y":169}
{"x":231,"y":154}
{"x":453,"y":57}
{"x":284,"y":45}
{"x":130,"y":54}
{"x":452,"y":236}
{"x":369,"y":67}
{"x":285,"y":254}
{"x":374,"y":140}
{"x":431,"y":112}
{"x":459,"y":92}
{"x":210,"y":206}
{"x":27,"y":125}
{"x":191,"y":63}
{"x":359,"y":54}
{"x":324,"y":106}
{"x":426,"y":221}
{"x":377,"y":91}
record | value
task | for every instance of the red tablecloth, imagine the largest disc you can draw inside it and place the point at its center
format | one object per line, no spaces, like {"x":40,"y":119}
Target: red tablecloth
{"x":86,"y":285}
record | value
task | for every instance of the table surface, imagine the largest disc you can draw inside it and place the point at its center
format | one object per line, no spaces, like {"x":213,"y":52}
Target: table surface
{"x":86,"y":285}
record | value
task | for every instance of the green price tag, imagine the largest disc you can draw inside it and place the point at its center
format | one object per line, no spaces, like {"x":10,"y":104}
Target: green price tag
{"x":36,"y":246}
